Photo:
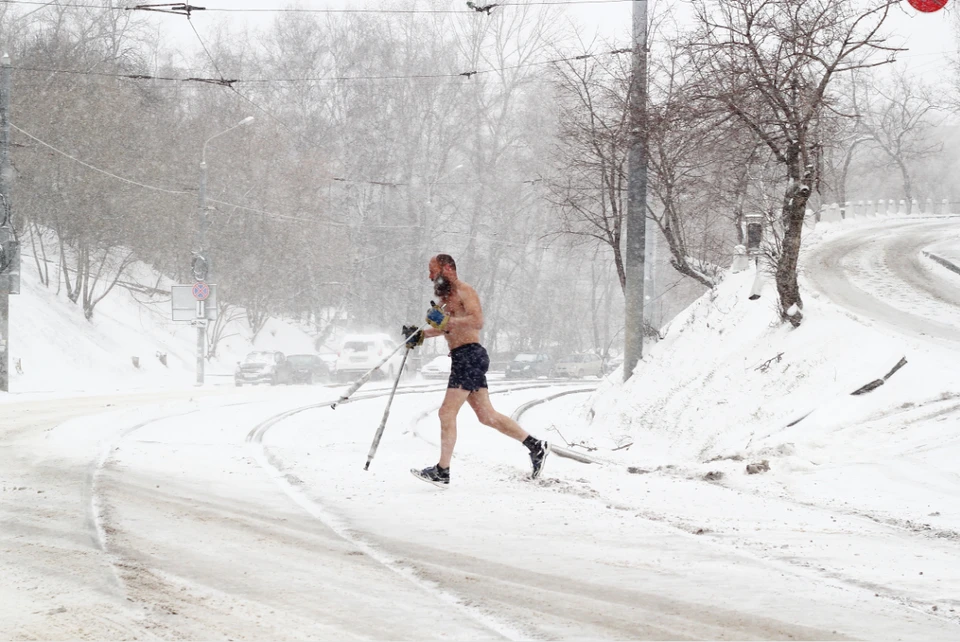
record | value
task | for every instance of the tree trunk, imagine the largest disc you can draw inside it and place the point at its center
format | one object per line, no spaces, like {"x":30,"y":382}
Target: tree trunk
{"x":678,"y":250}
{"x":842,"y":191}
{"x":40,"y":257}
{"x":73,"y":289}
{"x":794,"y":209}
{"x":907,"y":185}
{"x":257,"y":315}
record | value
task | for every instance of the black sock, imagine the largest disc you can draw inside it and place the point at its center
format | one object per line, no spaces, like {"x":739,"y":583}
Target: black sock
{"x":531,"y":443}
{"x":442,"y":470}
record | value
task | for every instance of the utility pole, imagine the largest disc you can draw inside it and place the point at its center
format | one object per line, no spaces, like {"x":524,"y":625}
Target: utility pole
{"x":636,"y":195}
{"x":9,"y":250}
{"x":201,"y":269}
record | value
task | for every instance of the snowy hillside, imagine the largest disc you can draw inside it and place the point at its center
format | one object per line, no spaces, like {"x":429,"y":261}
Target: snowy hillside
{"x":731,"y":385}
{"x":58,"y":350}
{"x":729,"y":375}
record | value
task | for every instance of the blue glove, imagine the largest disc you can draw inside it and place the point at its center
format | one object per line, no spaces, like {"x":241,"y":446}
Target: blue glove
{"x":437,"y":318}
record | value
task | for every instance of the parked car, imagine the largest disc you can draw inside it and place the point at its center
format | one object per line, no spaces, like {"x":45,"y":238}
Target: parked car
{"x":361,"y":352}
{"x":437,"y":368}
{"x":579,"y":365}
{"x":263,"y":367}
{"x":528,"y":365}
{"x":308,"y":368}
{"x":329,"y":358}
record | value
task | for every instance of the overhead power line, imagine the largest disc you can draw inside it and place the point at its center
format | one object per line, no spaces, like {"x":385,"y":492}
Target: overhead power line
{"x":187,"y":9}
{"x":275,"y":215}
{"x":245,"y":208}
{"x":155,"y":188}
{"x":97,"y":169}
{"x":231,"y":82}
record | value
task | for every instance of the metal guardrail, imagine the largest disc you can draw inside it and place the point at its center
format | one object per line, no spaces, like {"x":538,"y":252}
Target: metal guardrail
{"x":950,"y":265}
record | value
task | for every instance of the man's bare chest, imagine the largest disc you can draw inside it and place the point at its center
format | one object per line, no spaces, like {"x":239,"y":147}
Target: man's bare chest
{"x":454,"y":306}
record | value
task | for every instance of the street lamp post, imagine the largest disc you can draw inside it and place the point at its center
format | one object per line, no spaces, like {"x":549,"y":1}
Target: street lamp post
{"x":201,"y":264}
{"x":9,"y":249}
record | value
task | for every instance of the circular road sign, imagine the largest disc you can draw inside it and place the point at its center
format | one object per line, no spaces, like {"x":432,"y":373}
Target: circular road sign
{"x":201,"y":291}
{"x":928,"y":6}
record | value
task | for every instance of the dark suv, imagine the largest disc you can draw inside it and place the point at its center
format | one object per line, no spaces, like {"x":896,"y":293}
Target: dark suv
{"x":308,"y":368}
{"x":263,"y":367}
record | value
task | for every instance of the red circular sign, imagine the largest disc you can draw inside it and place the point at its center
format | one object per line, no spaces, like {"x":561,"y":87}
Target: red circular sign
{"x":928,"y":6}
{"x":201,"y":291}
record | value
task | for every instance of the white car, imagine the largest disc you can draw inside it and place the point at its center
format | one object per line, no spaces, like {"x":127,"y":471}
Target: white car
{"x":437,"y":368}
{"x":579,"y":365}
{"x":361,"y":352}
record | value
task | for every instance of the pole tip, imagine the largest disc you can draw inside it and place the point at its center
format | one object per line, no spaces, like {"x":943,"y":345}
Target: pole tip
{"x":366,"y":466}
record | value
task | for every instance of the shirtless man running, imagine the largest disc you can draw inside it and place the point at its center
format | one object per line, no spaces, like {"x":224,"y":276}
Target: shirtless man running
{"x":460,"y":323}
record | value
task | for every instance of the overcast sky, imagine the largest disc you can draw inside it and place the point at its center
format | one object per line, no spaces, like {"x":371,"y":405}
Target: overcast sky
{"x":929,"y":37}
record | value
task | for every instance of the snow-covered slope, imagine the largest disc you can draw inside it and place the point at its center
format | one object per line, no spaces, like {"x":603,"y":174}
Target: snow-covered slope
{"x":728,"y":374}
{"x":57,"y":350}
{"x":731,"y":385}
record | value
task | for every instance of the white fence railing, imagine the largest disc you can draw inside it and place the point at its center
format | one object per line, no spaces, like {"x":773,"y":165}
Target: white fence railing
{"x":836,"y":212}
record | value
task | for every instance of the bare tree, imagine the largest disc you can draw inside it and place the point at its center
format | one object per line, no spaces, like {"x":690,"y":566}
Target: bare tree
{"x":357,"y":165}
{"x":227,"y":314}
{"x":894,"y":117}
{"x":771,"y":64}
{"x":685,"y":147}
{"x":591,"y":154}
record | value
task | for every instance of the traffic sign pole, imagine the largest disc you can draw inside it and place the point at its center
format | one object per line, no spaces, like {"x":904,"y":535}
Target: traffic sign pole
{"x":200,"y":292}
{"x":201,"y":336}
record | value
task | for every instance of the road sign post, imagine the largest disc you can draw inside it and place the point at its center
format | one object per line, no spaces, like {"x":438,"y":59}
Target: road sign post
{"x":197,"y":304}
{"x":201,"y":291}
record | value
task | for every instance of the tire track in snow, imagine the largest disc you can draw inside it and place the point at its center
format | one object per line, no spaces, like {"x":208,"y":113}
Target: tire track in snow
{"x":291,"y":486}
{"x":96,"y":509}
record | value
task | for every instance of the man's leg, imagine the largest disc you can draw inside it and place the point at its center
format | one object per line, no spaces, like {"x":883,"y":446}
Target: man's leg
{"x":452,"y":403}
{"x":480,"y":402}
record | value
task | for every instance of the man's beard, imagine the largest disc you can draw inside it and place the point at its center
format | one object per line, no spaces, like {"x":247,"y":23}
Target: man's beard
{"x":442,"y":286}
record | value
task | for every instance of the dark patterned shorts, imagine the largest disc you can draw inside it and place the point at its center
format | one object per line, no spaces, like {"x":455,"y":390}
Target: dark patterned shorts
{"x":468,"y":368}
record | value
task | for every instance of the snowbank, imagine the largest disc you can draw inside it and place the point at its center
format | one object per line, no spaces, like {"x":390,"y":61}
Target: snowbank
{"x":729,"y":374}
{"x":53,"y":348}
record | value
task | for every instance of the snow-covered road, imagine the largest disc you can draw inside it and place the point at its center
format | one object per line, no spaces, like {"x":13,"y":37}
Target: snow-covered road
{"x":879,"y":272}
{"x":170,"y":515}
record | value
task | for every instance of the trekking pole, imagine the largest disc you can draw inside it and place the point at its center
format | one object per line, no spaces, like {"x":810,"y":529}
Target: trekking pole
{"x":366,"y":376}
{"x":386,"y":413}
